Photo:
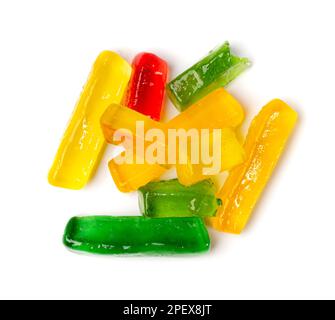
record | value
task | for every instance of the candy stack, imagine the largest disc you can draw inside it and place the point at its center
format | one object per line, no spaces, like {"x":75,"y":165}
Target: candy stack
{"x":115,"y":100}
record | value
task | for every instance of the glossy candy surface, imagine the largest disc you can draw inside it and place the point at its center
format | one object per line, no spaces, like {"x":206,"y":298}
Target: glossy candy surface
{"x":146,"y":88}
{"x":171,"y":199}
{"x":217,"y":110}
{"x":227,"y":155}
{"x":130,"y":177}
{"x":264,"y":145}
{"x":216,"y":70}
{"x":83,"y":142}
{"x":136,"y":235}
{"x":127,"y":122}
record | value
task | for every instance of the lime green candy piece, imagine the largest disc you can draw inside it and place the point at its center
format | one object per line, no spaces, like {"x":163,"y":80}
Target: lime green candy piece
{"x":137,"y":235}
{"x":216,"y":70}
{"x":172,"y":199}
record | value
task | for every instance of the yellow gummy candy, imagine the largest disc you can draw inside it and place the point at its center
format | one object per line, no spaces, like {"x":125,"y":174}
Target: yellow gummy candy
{"x":218,"y":110}
{"x":83,"y":142}
{"x":264,"y":145}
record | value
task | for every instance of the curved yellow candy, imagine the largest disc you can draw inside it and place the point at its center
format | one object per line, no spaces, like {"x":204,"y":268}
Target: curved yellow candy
{"x":264,"y":145}
{"x":83,"y":142}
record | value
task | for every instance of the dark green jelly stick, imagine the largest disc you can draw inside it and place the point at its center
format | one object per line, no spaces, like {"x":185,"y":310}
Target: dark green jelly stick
{"x":137,"y":235}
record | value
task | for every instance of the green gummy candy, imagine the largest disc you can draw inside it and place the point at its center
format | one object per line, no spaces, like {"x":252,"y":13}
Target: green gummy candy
{"x":216,"y":70}
{"x":136,"y":235}
{"x":172,"y":199}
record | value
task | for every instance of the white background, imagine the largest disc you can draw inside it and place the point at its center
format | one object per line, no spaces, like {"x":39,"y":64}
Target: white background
{"x":46,"y":51}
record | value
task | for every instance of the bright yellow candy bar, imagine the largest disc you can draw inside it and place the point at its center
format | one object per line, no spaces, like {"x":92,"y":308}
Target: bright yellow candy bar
{"x":83,"y":142}
{"x":264,"y":145}
{"x":217,"y":110}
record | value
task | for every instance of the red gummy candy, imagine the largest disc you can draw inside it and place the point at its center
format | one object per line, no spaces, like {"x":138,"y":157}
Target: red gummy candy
{"x":146,"y":88}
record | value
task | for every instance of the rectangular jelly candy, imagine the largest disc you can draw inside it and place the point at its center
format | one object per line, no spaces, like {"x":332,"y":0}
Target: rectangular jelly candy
{"x":265,"y":143}
{"x":227,"y":157}
{"x":83,"y":142}
{"x":136,"y":235}
{"x":172,"y":199}
{"x":129,"y":177}
{"x":126,"y":121}
{"x":216,"y":70}
{"x":219,"y":109}
{"x":147,"y":84}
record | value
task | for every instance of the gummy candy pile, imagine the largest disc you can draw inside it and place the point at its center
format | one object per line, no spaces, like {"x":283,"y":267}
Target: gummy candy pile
{"x":123,"y":105}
